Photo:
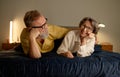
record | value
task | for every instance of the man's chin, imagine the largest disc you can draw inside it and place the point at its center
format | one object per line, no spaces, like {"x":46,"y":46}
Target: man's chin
{"x":44,"y":36}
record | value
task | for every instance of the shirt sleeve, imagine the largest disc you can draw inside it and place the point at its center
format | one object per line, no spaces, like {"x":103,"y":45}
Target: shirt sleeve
{"x":24,"y":41}
{"x":57,"y":32}
{"x":64,"y":47}
{"x":88,"y":49}
{"x":24,"y":37}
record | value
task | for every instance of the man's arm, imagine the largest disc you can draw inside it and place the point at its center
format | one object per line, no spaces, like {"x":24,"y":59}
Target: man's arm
{"x":34,"y":51}
{"x":29,"y":43}
{"x":34,"y":48}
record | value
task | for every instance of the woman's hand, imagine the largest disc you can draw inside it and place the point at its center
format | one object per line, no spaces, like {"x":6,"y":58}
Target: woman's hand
{"x":68,"y":54}
{"x":91,"y":35}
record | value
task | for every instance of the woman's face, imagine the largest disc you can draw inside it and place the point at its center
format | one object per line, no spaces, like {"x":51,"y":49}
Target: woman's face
{"x":85,"y":29}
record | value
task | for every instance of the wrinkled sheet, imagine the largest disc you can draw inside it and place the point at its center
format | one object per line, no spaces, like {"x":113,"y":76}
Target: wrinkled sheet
{"x":99,"y":64}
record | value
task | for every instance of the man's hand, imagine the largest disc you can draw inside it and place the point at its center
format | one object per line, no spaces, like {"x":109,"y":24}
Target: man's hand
{"x":68,"y":54}
{"x":34,"y":33}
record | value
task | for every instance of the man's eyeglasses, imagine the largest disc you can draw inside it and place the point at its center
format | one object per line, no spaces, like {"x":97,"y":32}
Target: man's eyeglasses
{"x":42,"y":26}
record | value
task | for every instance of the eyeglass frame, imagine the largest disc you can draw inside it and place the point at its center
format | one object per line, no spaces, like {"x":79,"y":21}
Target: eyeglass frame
{"x":88,"y":28}
{"x":42,"y":26}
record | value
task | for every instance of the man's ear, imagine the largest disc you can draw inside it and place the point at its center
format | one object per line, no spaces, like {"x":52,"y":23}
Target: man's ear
{"x":29,"y":28}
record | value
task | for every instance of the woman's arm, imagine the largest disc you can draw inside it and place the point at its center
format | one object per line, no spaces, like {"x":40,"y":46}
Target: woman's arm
{"x":87,"y":46}
{"x":67,"y":54}
{"x":65,"y":45}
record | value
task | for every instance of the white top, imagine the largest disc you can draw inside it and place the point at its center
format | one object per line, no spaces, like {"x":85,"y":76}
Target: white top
{"x":72,"y":42}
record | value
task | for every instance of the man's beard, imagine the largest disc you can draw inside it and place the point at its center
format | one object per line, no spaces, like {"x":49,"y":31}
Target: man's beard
{"x":44,"y":34}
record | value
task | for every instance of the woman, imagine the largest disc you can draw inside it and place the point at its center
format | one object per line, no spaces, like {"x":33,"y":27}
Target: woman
{"x":80,"y":41}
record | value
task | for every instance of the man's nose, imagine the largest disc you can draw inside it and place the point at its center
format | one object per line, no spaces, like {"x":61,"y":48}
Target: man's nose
{"x":46,"y":25}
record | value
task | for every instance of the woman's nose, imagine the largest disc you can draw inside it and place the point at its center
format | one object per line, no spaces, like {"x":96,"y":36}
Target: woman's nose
{"x":84,"y":29}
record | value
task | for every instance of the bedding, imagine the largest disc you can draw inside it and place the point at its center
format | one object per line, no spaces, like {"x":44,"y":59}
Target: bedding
{"x":100,"y":64}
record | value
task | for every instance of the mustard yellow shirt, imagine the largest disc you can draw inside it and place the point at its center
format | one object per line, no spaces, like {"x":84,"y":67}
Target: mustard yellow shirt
{"x":55,"y":32}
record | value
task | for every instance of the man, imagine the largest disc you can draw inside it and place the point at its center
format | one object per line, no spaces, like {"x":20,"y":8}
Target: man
{"x":39,"y":37}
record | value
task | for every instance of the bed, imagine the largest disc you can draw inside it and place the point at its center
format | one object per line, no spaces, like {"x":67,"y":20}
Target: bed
{"x":14,"y":63}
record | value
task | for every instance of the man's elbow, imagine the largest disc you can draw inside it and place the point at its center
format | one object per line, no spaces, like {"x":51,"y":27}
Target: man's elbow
{"x":35,"y":56}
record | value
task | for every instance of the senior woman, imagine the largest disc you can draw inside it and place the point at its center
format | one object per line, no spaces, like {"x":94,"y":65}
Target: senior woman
{"x":80,"y":41}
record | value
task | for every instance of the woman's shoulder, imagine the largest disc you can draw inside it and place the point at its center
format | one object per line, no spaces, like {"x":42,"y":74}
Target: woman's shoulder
{"x":73,"y":32}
